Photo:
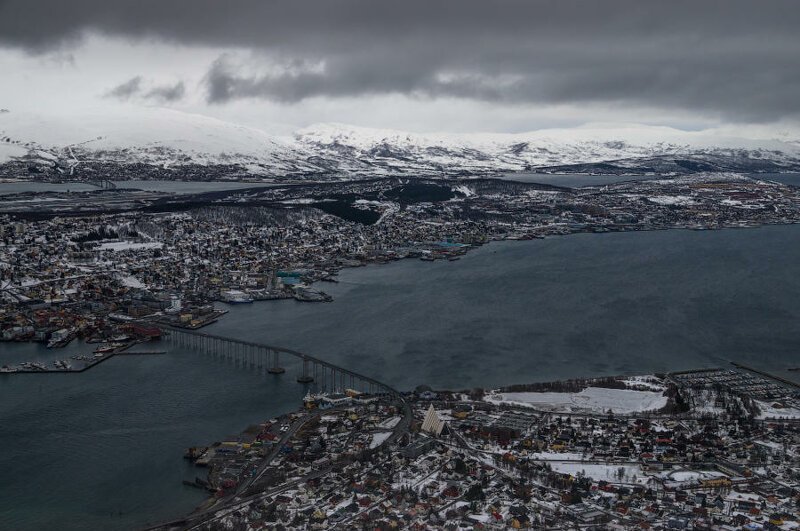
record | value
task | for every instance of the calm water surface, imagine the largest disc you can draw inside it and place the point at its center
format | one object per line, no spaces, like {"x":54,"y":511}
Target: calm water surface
{"x":785,"y":178}
{"x":573,"y":180}
{"x":178,"y":187}
{"x":102,"y":449}
{"x":183,"y":187}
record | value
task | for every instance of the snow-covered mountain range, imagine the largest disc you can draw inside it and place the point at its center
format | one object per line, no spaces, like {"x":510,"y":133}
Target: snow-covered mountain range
{"x":594,"y":149}
{"x":169,"y":141}
{"x":150,"y":136}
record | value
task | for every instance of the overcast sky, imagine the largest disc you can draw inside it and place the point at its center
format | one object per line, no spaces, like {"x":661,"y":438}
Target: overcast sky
{"x":459,"y":65}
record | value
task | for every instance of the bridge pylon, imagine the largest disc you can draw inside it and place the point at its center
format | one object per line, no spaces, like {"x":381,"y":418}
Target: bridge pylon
{"x":275,"y":368}
{"x":327,"y":376}
{"x":305,"y":377}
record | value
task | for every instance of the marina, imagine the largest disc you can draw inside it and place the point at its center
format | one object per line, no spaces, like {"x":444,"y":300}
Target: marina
{"x":155,"y":185}
{"x":65,"y":367}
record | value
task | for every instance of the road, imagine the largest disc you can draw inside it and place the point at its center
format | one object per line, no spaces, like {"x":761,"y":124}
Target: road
{"x":235,"y":502}
{"x":296,"y":425}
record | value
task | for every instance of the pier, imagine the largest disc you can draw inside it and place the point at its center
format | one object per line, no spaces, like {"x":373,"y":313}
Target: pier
{"x":779,"y":379}
{"x":327,"y":376}
{"x":92,"y":363}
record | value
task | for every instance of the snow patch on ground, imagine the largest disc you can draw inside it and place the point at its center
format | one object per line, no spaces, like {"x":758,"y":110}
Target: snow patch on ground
{"x":556,"y":456}
{"x":686,"y":477}
{"x":769,"y":411}
{"x":131,"y":282}
{"x":379,"y":438}
{"x":389,"y":423}
{"x":9,"y":152}
{"x":649,"y":381}
{"x":126,"y":246}
{"x":301,"y":201}
{"x":466,"y":190}
{"x":671,"y":200}
{"x":601,"y":472}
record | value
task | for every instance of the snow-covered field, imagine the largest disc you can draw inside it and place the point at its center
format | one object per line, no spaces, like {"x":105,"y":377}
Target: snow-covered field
{"x":685,"y":477}
{"x":590,"y":400}
{"x":126,"y":246}
{"x":131,"y":281}
{"x":768,"y":411}
{"x":704,"y":400}
{"x":602,"y":472}
{"x":379,"y":438}
{"x":671,"y":200}
{"x":390,"y":423}
{"x":646,"y":380}
{"x":10,"y":151}
{"x":557,"y":456}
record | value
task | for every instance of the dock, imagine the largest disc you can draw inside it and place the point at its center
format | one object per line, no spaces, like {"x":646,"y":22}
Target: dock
{"x":766,"y":375}
{"x":92,"y":363}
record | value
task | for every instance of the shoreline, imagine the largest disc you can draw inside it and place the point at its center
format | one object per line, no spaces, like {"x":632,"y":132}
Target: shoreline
{"x":243,"y":421}
{"x":221,"y":314}
{"x":261,"y":445}
{"x":333,"y":272}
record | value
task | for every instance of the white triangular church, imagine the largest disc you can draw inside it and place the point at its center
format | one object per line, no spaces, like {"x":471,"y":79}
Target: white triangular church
{"x":432,"y":423}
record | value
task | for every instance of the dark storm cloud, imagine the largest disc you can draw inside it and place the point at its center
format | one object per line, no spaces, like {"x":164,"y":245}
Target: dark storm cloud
{"x":127,"y":89}
{"x":735,"y":58}
{"x":167,"y":93}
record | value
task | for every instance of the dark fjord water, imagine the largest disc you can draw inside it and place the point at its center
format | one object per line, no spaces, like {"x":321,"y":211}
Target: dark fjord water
{"x":102,"y":449}
{"x":177,"y":187}
{"x":191,"y":187}
{"x":576,"y":180}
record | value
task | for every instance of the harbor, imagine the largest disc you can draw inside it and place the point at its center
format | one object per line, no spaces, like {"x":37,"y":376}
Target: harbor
{"x":65,"y":366}
{"x":38,"y":368}
{"x":124,"y":426}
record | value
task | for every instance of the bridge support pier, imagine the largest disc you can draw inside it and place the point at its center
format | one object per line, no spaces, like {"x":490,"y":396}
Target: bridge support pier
{"x":275,"y":368}
{"x":305,"y":377}
{"x":327,"y":377}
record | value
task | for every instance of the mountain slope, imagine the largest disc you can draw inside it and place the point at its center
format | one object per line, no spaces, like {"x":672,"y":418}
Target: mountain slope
{"x":153,"y":142}
{"x":628,"y":148}
{"x":151,"y":136}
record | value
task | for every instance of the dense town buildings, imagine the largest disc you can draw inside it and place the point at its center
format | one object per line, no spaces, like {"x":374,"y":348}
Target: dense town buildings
{"x":517,"y":459}
{"x":83,"y":261}
{"x":712,"y":449}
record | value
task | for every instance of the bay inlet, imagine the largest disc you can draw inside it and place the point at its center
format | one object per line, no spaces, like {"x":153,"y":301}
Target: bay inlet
{"x":105,"y":446}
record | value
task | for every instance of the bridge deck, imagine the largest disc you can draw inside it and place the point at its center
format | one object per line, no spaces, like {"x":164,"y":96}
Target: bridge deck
{"x":296,"y":354}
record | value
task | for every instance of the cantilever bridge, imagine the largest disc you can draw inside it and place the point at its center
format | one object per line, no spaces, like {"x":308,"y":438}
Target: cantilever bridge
{"x":326,"y":375}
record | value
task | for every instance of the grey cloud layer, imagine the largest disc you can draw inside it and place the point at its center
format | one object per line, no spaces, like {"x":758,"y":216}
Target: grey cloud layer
{"x":736,"y":58}
{"x":133,"y":88}
{"x":168,"y":93}
{"x":126,"y":90}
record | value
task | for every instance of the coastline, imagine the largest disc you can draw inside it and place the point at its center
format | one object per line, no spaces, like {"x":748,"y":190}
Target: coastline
{"x":304,"y":321}
{"x":332,"y":273}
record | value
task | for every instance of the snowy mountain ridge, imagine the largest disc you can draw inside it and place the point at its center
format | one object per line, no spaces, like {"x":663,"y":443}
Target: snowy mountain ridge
{"x":553,"y":147}
{"x":172,"y":139}
{"x":152,"y":136}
